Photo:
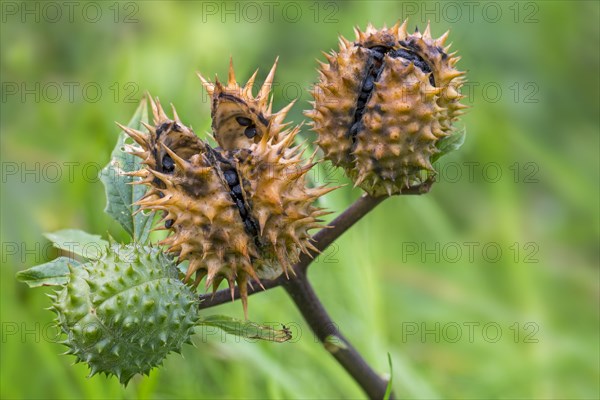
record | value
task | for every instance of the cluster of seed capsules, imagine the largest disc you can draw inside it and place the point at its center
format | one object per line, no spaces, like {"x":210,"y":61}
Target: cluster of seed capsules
{"x":238,"y":211}
{"x":242,"y":210}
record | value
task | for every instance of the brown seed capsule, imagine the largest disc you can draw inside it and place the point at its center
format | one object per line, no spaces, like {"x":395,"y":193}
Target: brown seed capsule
{"x":382,"y":104}
{"x":238,"y":118}
{"x":236,"y":213}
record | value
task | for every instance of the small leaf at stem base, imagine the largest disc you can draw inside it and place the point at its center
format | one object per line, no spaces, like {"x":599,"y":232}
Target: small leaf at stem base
{"x":247,"y":329}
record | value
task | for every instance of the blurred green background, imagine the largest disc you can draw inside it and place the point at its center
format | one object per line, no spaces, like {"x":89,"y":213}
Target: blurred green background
{"x":488,"y":287}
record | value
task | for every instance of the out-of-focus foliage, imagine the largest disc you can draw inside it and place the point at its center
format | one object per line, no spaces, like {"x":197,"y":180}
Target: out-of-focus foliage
{"x":486,"y":287}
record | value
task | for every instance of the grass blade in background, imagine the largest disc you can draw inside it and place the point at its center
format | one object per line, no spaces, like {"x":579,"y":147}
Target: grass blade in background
{"x":388,"y":390}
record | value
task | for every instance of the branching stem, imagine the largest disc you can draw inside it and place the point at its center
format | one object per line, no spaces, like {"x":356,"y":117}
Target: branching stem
{"x":334,"y":342}
{"x":305,"y":298}
{"x":321,"y":241}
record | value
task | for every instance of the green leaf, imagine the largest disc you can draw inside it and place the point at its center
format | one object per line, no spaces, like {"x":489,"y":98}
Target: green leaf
{"x":450,"y":143}
{"x":78,"y":242}
{"x":120,"y":194}
{"x":247,"y":329}
{"x":53,"y":273}
{"x":388,"y":389}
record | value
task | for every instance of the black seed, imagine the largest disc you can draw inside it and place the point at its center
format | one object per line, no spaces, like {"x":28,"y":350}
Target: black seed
{"x":368,"y":85}
{"x":169,"y":223}
{"x":378,"y":52}
{"x":230,"y":177}
{"x":401,"y":53}
{"x":168,"y":164}
{"x":250,"y":227}
{"x":237,"y":190}
{"x":243,"y":121}
{"x":379,"y":49}
{"x":161,"y":194}
{"x":412,"y":56}
{"x":240,"y":205}
{"x":250,"y":132}
{"x":419,"y":64}
{"x":354,"y":129}
{"x":176,"y":127}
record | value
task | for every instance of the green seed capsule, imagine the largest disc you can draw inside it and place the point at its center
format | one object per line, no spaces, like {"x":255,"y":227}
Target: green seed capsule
{"x":112,"y":330}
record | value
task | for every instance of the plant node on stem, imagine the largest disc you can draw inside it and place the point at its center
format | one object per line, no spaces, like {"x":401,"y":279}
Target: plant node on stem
{"x":334,"y":342}
{"x":321,"y":240}
{"x":311,"y":307}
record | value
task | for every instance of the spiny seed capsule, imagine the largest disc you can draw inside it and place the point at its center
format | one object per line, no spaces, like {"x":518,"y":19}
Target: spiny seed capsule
{"x":125,"y":311}
{"x":383,"y":103}
{"x":240,"y":212}
{"x":239,"y":119}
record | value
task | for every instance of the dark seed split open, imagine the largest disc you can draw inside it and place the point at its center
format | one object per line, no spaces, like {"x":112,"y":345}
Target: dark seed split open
{"x":168,"y":164}
{"x":250,"y":132}
{"x":230,"y":177}
{"x":240,"y":205}
{"x":410,"y":54}
{"x":243,"y":121}
{"x":158,"y":183}
{"x":373,"y":70}
{"x":235,"y":191}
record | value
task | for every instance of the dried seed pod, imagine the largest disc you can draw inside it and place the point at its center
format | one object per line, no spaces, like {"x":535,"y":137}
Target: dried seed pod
{"x":382,"y":104}
{"x":238,"y":118}
{"x":238,"y":215}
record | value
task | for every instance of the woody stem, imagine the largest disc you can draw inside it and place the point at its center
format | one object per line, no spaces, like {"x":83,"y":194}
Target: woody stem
{"x":334,"y":342}
{"x":321,"y":241}
{"x":305,"y":298}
